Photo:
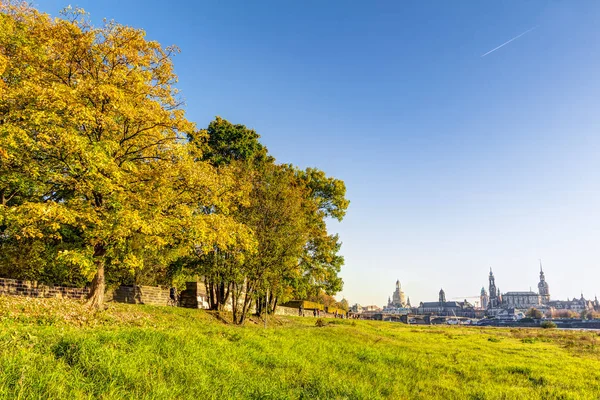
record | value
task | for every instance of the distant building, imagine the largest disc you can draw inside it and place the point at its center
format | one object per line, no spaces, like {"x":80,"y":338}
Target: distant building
{"x":357,"y":308}
{"x":521,"y":300}
{"x":529,"y":299}
{"x":543,"y":288}
{"x":576,"y":305}
{"x":484,"y":299}
{"x":397,"y":300}
{"x":371,"y":308}
{"x":446,"y":308}
{"x":494,"y":299}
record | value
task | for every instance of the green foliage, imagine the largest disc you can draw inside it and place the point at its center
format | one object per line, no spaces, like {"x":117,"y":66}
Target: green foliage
{"x":307,"y":305}
{"x":62,"y":350}
{"x":102,"y":177}
{"x":227,"y":143}
{"x":534,"y":313}
{"x":295,"y":255}
{"x":95,"y":168}
{"x":343,"y":304}
{"x":548,"y":325}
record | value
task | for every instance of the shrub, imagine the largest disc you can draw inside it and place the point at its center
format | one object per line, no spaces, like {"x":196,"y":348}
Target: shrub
{"x":320,"y":322}
{"x":548,"y":325}
{"x":534,"y":313}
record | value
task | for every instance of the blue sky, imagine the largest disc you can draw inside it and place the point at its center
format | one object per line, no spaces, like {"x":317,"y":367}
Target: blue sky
{"x":453,"y":162}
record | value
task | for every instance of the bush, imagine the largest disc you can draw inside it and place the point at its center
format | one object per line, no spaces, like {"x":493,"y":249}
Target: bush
{"x":548,"y":325}
{"x":320,"y":322}
{"x":534,"y":313}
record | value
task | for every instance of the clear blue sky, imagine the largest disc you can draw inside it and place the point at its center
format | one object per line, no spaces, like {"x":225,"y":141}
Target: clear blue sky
{"x":453,"y":162}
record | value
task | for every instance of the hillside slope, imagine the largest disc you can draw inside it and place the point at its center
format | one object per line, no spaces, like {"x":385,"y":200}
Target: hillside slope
{"x":59,"y":349}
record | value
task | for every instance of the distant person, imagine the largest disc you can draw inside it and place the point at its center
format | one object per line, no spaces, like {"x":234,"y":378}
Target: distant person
{"x":315,"y":313}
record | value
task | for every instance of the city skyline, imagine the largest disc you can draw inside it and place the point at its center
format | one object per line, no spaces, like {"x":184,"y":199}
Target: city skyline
{"x":472,"y":297}
{"x":453,"y":162}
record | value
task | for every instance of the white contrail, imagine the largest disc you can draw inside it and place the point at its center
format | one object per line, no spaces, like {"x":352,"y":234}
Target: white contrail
{"x":505,"y":43}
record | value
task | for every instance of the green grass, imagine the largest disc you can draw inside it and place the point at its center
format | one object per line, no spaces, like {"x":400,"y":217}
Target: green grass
{"x":58,"y":349}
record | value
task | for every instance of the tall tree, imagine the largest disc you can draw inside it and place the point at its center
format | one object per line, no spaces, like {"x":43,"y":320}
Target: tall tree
{"x":287,"y":212}
{"x":230,"y":147}
{"x":277,"y":217}
{"x":92,"y":137}
{"x":226,"y":143}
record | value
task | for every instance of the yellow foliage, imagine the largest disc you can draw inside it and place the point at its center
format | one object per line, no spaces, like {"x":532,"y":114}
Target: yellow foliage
{"x":94,"y":137}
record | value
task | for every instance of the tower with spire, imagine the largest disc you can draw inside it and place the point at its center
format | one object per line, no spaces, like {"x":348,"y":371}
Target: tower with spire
{"x":484,"y":299}
{"x":442,"y":297}
{"x":493,"y":301}
{"x":543,"y":288}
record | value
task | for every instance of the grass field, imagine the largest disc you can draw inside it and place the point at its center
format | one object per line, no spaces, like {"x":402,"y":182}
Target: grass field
{"x":58,"y":349}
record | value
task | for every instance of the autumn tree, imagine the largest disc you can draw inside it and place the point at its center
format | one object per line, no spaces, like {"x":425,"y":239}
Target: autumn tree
{"x":320,"y":261}
{"x":534,"y":313}
{"x":233,"y":149}
{"x":92,"y":142}
{"x":287,"y":213}
{"x":343,"y":304}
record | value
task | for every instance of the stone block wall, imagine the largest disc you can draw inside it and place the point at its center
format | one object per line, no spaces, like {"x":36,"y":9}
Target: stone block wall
{"x":291,"y":311}
{"x":280,"y":310}
{"x":194,"y":296}
{"x":152,"y":295}
{"x":16,"y":287}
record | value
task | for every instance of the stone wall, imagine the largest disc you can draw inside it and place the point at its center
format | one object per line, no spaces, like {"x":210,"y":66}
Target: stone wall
{"x":289,"y":311}
{"x":294,"y":312}
{"x":194,"y":296}
{"x":152,"y":295}
{"x":34,"y":289}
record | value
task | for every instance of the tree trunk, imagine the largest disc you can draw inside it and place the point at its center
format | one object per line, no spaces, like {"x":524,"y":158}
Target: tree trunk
{"x":276,"y":299}
{"x":214,"y":303}
{"x":96,"y":296}
{"x":246,"y":305}
{"x":259,"y":306}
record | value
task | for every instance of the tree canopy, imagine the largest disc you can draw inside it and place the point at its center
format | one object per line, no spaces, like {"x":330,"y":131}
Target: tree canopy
{"x":102,"y":174}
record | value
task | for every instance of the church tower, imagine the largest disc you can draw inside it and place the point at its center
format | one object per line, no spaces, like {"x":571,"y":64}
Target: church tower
{"x":493,"y":302}
{"x":484,"y":298}
{"x":543,"y":288}
{"x":442,"y":297}
{"x":398,"y":299}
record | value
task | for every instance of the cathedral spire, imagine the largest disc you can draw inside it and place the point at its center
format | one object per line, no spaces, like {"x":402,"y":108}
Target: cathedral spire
{"x":543,"y":288}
